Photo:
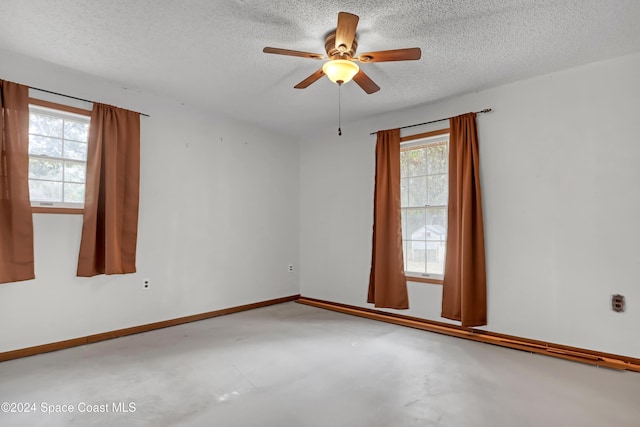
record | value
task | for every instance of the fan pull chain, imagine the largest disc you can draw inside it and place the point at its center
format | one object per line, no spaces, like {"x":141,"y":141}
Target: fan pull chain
{"x":339,"y":110}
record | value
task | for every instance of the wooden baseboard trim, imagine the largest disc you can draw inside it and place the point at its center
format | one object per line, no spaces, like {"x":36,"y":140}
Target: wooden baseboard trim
{"x":60,"y":345}
{"x":575,"y":354}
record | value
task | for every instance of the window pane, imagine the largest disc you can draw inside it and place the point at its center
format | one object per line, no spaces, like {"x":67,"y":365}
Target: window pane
{"x":403,"y":212}
{"x":438,"y":158}
{"x":45,"y":191}
{"x":435,"y":257}
{"x":73,"y":193}
{"x":418,"y":191}
{"x":438,"y":190}
{"x":415,"y":254}
{"x":45,"y":169}
{"x":76,"y":131}
{"x":415,"y":221}
{"x":75,"y":150}
{"x":404,"y":254}
{"x":43,"y":146}
{"x":404,"y":192}
{"x":45,"y":125}
{"x":404,"y":164}
{"x":74,"y":172}
{"x":416,"y":162}
{"x":436,"y":223}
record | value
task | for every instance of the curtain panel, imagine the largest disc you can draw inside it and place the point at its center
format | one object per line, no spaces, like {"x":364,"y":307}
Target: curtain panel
{"x":387,"y":282}
{"x":16,"y":221}
{"x":110,"y":222}
{"x":464,"y":289}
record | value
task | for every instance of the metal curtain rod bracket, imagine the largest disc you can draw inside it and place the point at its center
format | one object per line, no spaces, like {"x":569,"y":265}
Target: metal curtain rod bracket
{"x":486,"y":110}
{"x":73,"y":97}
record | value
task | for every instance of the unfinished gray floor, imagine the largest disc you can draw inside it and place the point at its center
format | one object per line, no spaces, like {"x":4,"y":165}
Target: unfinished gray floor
{"x":294,"y":365}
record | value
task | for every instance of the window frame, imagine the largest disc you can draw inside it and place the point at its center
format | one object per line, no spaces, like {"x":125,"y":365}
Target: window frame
{"x":67,"y":109}
{"x":406,"y":140}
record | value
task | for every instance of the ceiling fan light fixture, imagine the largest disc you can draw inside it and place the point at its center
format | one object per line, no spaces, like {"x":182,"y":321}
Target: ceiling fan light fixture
{"x":340,"y":70}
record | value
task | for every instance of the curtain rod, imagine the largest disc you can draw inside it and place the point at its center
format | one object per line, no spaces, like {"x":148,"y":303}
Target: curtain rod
{"x":72,"y":97}
{"x":486,"y":110}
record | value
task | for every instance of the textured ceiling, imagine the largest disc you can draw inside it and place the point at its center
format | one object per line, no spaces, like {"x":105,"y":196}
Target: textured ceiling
{"x":209,"y":53}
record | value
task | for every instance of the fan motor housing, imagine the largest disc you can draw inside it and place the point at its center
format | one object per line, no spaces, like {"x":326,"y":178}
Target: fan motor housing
{"x":334,"y":53}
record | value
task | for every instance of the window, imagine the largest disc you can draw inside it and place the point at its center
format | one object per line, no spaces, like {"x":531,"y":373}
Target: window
{"x":424,"y":196}
{"x":57,"y":155}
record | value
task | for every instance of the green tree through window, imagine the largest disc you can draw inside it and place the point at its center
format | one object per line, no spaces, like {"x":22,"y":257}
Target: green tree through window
{"x":57,"y":157}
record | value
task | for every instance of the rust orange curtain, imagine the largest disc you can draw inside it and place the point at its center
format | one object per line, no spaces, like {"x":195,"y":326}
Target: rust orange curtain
{"x":16,"y":222}
{"x":387,"y":283}
{"x":464,"y":290}
{"x":110,"y":223}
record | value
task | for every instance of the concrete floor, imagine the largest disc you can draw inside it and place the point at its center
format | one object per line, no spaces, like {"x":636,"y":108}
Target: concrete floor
{"x":294,"y":365}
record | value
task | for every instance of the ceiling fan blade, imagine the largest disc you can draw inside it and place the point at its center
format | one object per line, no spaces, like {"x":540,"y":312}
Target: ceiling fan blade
{"x":365,"y":82}
{"x":346,"y":31}
{"x":288,"y":52}
{"x":391,"y":55}
{"x":312,"y":78}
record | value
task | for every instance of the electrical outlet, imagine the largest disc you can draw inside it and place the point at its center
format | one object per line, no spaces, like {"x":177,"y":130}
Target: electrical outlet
{"x":290,"y":268}
{"x":146,"y":283}
{"x":617,"y":303}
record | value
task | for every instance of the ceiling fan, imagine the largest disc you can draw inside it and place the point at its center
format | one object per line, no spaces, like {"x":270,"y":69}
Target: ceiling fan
{"x":341,"y":46}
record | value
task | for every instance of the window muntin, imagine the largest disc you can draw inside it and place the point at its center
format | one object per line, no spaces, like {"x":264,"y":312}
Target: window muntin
{"x":57,"y":157}
{"x":424,"y":194}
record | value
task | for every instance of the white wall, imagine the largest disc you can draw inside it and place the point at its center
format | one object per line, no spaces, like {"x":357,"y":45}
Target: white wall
{"x":560,"y":173}
{"x":220,"y":199}
{"x":218,"y":222}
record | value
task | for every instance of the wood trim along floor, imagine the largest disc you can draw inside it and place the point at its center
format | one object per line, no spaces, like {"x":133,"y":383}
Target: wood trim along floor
{"x":575,"y":354}
{"x":60,"y":345}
